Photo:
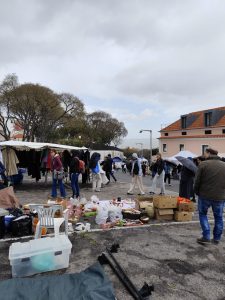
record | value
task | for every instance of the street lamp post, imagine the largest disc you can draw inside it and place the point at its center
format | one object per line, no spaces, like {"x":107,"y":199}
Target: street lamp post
{"x":141,"y":148}
{"x":150,"y":133}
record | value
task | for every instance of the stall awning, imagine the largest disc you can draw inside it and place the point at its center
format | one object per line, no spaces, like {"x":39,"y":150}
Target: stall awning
{"x":18,"y":145}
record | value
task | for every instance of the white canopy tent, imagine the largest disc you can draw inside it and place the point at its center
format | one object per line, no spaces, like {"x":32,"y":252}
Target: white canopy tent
{"x":18,"y":145}
{"x":27,"y":146}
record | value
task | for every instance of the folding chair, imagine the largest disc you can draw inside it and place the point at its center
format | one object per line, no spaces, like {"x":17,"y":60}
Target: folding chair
{"x":46,"y":218}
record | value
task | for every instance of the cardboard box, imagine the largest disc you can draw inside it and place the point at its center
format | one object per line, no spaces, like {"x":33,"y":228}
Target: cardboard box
{"x":186,"y":206}
{"x":164,"y":214}
{"x":165,"y":202}
{"x":145,"y":201}
{"x":183,"y":216}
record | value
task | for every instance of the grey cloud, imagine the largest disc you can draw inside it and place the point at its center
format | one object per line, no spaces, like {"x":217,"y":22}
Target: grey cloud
{"x":144,"y":50}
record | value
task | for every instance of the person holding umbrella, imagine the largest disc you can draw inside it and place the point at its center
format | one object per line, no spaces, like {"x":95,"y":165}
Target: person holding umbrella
{"x":188,"y":171}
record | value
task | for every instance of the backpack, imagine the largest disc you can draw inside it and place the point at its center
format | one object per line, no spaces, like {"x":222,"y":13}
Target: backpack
{"x":136,"y":168}
{"x":81,"y":166}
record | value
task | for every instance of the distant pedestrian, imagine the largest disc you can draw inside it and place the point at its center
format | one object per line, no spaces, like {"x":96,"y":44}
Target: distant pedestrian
{"x":111,"y":166}
{"x":167,"y":173}
{"x":158,"y":169}
{"x":124,"y":167}
{"x":136,"y":173}
{"x":143,"y":165}
{"x":96,"y":172}
{"x":57,"y":175}
{"x":210,"y":188}
{"x":74,"y":174}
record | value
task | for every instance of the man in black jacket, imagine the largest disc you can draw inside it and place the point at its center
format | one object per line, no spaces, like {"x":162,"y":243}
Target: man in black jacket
{"x":107,"y":167}
{"x":210,"y":188}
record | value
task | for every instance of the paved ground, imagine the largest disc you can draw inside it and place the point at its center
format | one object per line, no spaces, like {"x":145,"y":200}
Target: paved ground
{"x":164,"y":255}
{"x":31,"y":191}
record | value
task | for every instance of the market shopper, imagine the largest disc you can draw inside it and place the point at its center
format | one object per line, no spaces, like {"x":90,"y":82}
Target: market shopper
{"x":96,"y":172}
{"x":57,"y":175}
{"x":74,"y":174}
{"x":159,"y":175}
{"x":167,"y":173}
{"x":136,"y":173}
{"x":210,"y":188}
{"x":186,"y":188}
{"x":109,"y":171}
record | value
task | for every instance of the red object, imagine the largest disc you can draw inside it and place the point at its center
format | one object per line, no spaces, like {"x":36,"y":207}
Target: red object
{"x":183,"y":200}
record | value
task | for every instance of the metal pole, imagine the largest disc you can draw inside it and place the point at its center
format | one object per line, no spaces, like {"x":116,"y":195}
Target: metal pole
{"x":150,"y":146}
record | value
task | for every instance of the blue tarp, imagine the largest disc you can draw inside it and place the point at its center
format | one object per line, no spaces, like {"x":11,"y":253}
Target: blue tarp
{"x":91,"y":284}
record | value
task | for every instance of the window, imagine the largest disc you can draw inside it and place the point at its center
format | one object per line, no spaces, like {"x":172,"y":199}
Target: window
{"x":166,"y":133}
{"x":183,"y":122}
{"x":208,"y":119}
{"x":164,"y":147}
{"x":204,"y":147}
{"x":181,"y":147}
{"x":184,"y":133}
{"x":223,"y":131}
{"x":208,"y":131}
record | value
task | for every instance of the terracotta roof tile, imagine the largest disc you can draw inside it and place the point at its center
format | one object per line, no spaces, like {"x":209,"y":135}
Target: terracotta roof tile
{"x":193,"y":136}
{"x":198,"y":123}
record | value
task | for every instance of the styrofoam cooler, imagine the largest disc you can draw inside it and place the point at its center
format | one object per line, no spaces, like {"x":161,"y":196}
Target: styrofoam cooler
{"x":39,"y":255}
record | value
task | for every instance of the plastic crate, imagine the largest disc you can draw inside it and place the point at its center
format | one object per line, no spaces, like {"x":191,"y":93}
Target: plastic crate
{"x":39,"y":255}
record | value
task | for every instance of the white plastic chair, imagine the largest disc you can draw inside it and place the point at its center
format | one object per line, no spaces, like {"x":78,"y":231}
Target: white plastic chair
{"x":46,"y":218}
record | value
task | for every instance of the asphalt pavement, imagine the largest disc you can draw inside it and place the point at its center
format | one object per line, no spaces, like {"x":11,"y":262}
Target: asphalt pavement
{"x":163,"y":254}
{"x":147,"y":181}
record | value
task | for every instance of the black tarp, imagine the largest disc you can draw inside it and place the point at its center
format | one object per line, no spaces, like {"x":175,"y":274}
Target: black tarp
{"x":91,"y":284}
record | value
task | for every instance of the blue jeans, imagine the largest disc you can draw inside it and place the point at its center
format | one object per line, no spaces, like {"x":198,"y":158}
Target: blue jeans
{"x":75,"y":184}
{"x":61,"y":187}
{"x":217,"y":208}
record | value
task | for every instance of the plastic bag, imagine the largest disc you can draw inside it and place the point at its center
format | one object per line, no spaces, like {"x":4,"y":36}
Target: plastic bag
{"x":102,"y":214}
{"x":115,"y":214}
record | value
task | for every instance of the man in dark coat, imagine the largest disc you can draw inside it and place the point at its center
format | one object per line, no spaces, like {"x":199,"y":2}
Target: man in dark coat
{"x":186,"y":183}
{"x":210,"y":188}
{"x":107,"y":167}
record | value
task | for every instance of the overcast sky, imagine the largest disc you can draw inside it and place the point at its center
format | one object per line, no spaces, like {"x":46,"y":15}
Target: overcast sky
{"x":144,"y":61}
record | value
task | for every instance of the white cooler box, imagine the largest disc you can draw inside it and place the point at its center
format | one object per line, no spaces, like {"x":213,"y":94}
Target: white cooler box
{"x":40,"y":255}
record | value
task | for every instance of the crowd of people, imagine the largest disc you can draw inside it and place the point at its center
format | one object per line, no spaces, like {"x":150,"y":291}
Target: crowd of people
{"x":203,"y":177}
{"x":207,"y":182}
{"x":101,"y":173}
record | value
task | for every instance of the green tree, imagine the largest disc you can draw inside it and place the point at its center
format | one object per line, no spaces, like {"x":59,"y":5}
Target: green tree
{"x":37,"y":109}
{"x":6,"y":87}
{"x":102,"y":128}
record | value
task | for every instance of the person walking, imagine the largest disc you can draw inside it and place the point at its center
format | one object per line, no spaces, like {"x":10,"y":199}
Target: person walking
{"x":143,"y":165}
{"x":136,"y":173}
{"x":159,"y":175}
{"x":74,"y":174}
{"x":124,"y":167}
{"x":110,"y":168}
{"x":167,"y":173}
{"x":210,"y":187}
{"x":57,"y":175}
{"x":96,"y":172}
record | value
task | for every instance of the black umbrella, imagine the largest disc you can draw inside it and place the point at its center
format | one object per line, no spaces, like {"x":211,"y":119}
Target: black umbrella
{"x":187,"y":163}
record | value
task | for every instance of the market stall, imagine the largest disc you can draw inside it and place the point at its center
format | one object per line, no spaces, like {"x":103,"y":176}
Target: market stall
{"x":35,"y":157}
